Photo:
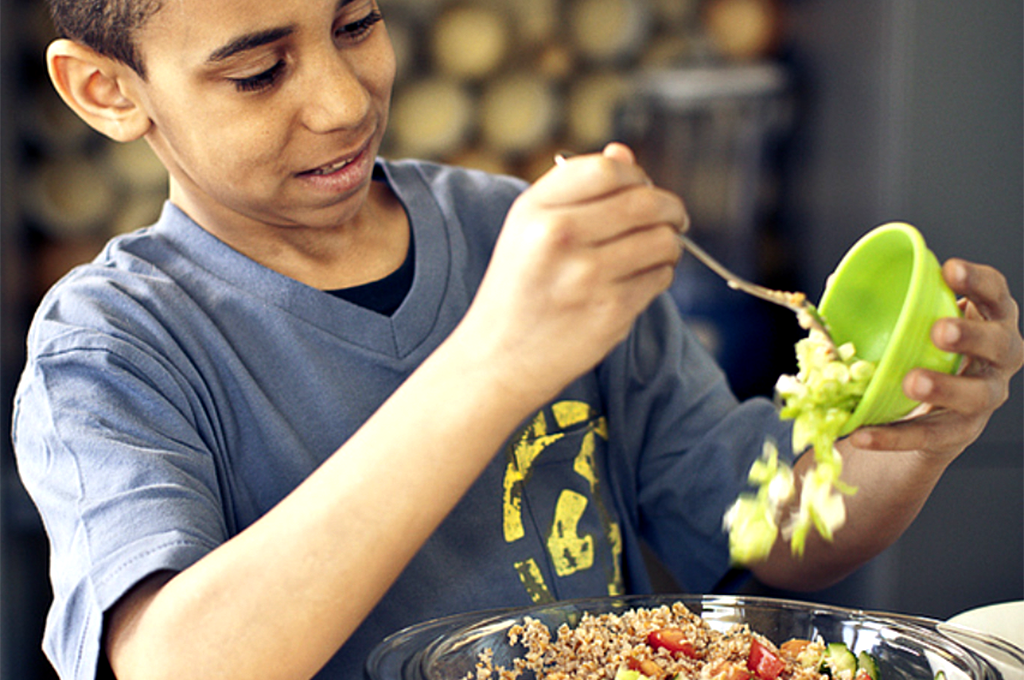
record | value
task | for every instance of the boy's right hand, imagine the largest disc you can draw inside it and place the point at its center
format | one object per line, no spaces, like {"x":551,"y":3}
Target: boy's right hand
{"x":583,"y":251}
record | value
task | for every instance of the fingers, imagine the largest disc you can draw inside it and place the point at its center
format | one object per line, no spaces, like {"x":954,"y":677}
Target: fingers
{"x":582,"y":252}
{"x":935,"y":431}
{"x":991,"y":352}
{"x":988,"y":334}
{"x":585,"y":178}
{"x":578,"y":179}
{"x":986,"y":343}
{"x":987,"y":337}
{"x":615,"y":215}
{"x":603,"y":197}
{"x":593,"y":233}
{"x":575,"y":269}
{"x":619,"y":152}
{"x":969,"y":395}
{"x":957,"y":407}
{"x":984,"y":287}
{"x":636,"y":252}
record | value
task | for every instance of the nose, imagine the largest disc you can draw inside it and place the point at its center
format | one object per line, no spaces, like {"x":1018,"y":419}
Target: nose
{"x":335,"y":97}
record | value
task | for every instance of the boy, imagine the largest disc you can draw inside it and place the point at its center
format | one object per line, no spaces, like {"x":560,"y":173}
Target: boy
{"x":327,"y":395}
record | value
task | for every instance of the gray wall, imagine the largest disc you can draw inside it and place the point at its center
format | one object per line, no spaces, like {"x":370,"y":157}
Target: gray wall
{"x":912,"y":110}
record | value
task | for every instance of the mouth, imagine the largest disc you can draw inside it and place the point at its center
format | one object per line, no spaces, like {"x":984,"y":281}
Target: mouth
{"x":331,"y":167}
{"x":336,"y":165}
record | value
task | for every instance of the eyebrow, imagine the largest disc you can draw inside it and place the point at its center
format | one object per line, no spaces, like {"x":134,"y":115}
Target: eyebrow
{"x":251,"y":41}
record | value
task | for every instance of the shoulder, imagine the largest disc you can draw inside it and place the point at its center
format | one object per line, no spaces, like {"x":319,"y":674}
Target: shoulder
{"x":458,"y":188}
{"x":123,"y":297}
{"x":454,"y":178}
{"x":124,"y":270}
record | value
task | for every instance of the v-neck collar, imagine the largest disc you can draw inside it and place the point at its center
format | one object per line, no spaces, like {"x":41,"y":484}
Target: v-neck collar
{"x":397,"y":335}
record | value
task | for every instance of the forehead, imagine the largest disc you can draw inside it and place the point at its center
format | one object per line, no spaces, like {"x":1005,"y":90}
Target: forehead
{"x":191,"y":31}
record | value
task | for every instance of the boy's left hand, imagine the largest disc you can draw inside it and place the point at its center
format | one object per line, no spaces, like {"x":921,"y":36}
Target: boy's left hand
{"x":957,"y":407}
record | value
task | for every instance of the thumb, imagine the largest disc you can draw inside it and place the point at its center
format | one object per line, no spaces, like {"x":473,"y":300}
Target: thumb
{"x":619,"y":152}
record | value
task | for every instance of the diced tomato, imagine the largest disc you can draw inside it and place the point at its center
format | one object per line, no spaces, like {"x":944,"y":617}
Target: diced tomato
{"x":648,"y":668}
{"x":674,"y":640}
{"x":731,"y":671}
{"x":764,"y":662}
{"x":792,"y":649}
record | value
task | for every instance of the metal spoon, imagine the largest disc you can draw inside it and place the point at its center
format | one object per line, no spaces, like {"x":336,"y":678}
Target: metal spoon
{"x":806,"y":313}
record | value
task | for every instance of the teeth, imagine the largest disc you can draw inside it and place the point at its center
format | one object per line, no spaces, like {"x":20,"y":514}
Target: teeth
{"x":328,"y":169}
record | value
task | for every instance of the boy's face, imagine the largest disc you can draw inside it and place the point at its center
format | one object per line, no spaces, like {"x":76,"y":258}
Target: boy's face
{"x":267,"y":112}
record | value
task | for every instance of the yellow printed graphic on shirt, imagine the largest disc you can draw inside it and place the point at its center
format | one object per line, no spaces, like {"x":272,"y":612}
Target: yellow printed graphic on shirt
{"x":533,"y":581}
{"x":532,"y":441}
{"x":569,"y":551}
{"x":570,"y":431}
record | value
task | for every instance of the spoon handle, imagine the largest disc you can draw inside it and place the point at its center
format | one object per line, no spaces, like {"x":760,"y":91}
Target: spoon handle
{"x":797,"y":302}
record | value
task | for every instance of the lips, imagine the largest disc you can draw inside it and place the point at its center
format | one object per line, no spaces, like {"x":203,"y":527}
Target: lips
{"x":339,"y":162}
{"x":330,"y":168}
{"x":342,"y":175}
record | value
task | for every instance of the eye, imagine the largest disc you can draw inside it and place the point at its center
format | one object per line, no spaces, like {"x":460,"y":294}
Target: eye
{"x":260,"y":81}
{"x":359,"y":29}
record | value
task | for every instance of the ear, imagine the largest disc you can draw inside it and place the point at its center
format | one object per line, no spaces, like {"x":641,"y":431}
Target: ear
{"x":98,"y":89}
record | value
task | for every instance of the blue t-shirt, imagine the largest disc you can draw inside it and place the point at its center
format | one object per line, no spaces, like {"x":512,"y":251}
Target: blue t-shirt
{"x":176,"y":390}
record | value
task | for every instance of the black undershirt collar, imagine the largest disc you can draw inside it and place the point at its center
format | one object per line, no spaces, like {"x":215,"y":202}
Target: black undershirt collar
{"x":385,"y":295}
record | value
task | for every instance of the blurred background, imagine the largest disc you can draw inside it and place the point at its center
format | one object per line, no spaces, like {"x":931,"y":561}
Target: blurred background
{"x":790,"y":127}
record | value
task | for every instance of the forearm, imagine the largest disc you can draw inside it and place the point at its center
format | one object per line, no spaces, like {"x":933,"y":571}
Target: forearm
{"x":891,"y":489}
{"x":280,"y":598}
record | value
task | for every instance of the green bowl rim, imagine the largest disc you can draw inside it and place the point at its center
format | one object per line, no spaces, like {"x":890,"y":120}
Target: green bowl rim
{"x":884,"y":366}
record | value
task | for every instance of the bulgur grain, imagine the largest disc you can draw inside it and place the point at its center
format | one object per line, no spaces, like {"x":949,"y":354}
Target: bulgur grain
{"x":598,"y":647}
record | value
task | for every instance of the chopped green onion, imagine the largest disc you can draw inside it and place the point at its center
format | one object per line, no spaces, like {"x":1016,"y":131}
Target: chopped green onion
{"x":819,"y":400}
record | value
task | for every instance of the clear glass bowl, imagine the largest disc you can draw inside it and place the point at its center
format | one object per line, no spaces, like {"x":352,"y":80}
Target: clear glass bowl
{"x":905,"y":647}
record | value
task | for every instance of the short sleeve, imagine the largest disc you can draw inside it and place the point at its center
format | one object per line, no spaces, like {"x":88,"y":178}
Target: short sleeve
{"x":108,"y":447}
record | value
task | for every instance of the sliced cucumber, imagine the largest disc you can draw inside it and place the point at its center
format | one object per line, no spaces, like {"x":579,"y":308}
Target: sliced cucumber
{"x":866,"y":664}
{"x":627,"y":674}
{"x":839,"y":661}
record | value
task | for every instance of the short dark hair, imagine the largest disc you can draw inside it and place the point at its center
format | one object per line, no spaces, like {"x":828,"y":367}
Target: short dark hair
{"x":107,"y":26}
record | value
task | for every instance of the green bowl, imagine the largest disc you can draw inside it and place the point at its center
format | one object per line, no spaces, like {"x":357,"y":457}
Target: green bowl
{"x":884,"y":297}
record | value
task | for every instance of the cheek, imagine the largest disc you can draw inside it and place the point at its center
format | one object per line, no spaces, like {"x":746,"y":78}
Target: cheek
{"x":239,"y":142}
{"x":380,"y":72}
{"x":212,"y":121}
{"x":226,"y":162}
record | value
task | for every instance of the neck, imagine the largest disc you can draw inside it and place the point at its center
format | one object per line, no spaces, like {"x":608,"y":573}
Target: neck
{"x":365,"y":248}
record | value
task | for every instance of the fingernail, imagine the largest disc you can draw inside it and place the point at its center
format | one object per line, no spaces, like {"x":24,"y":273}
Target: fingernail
{"x":958,"y":272}
{"x":950,"y":333}
{"x":862,"y":439}
{"x":921,"y":386}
